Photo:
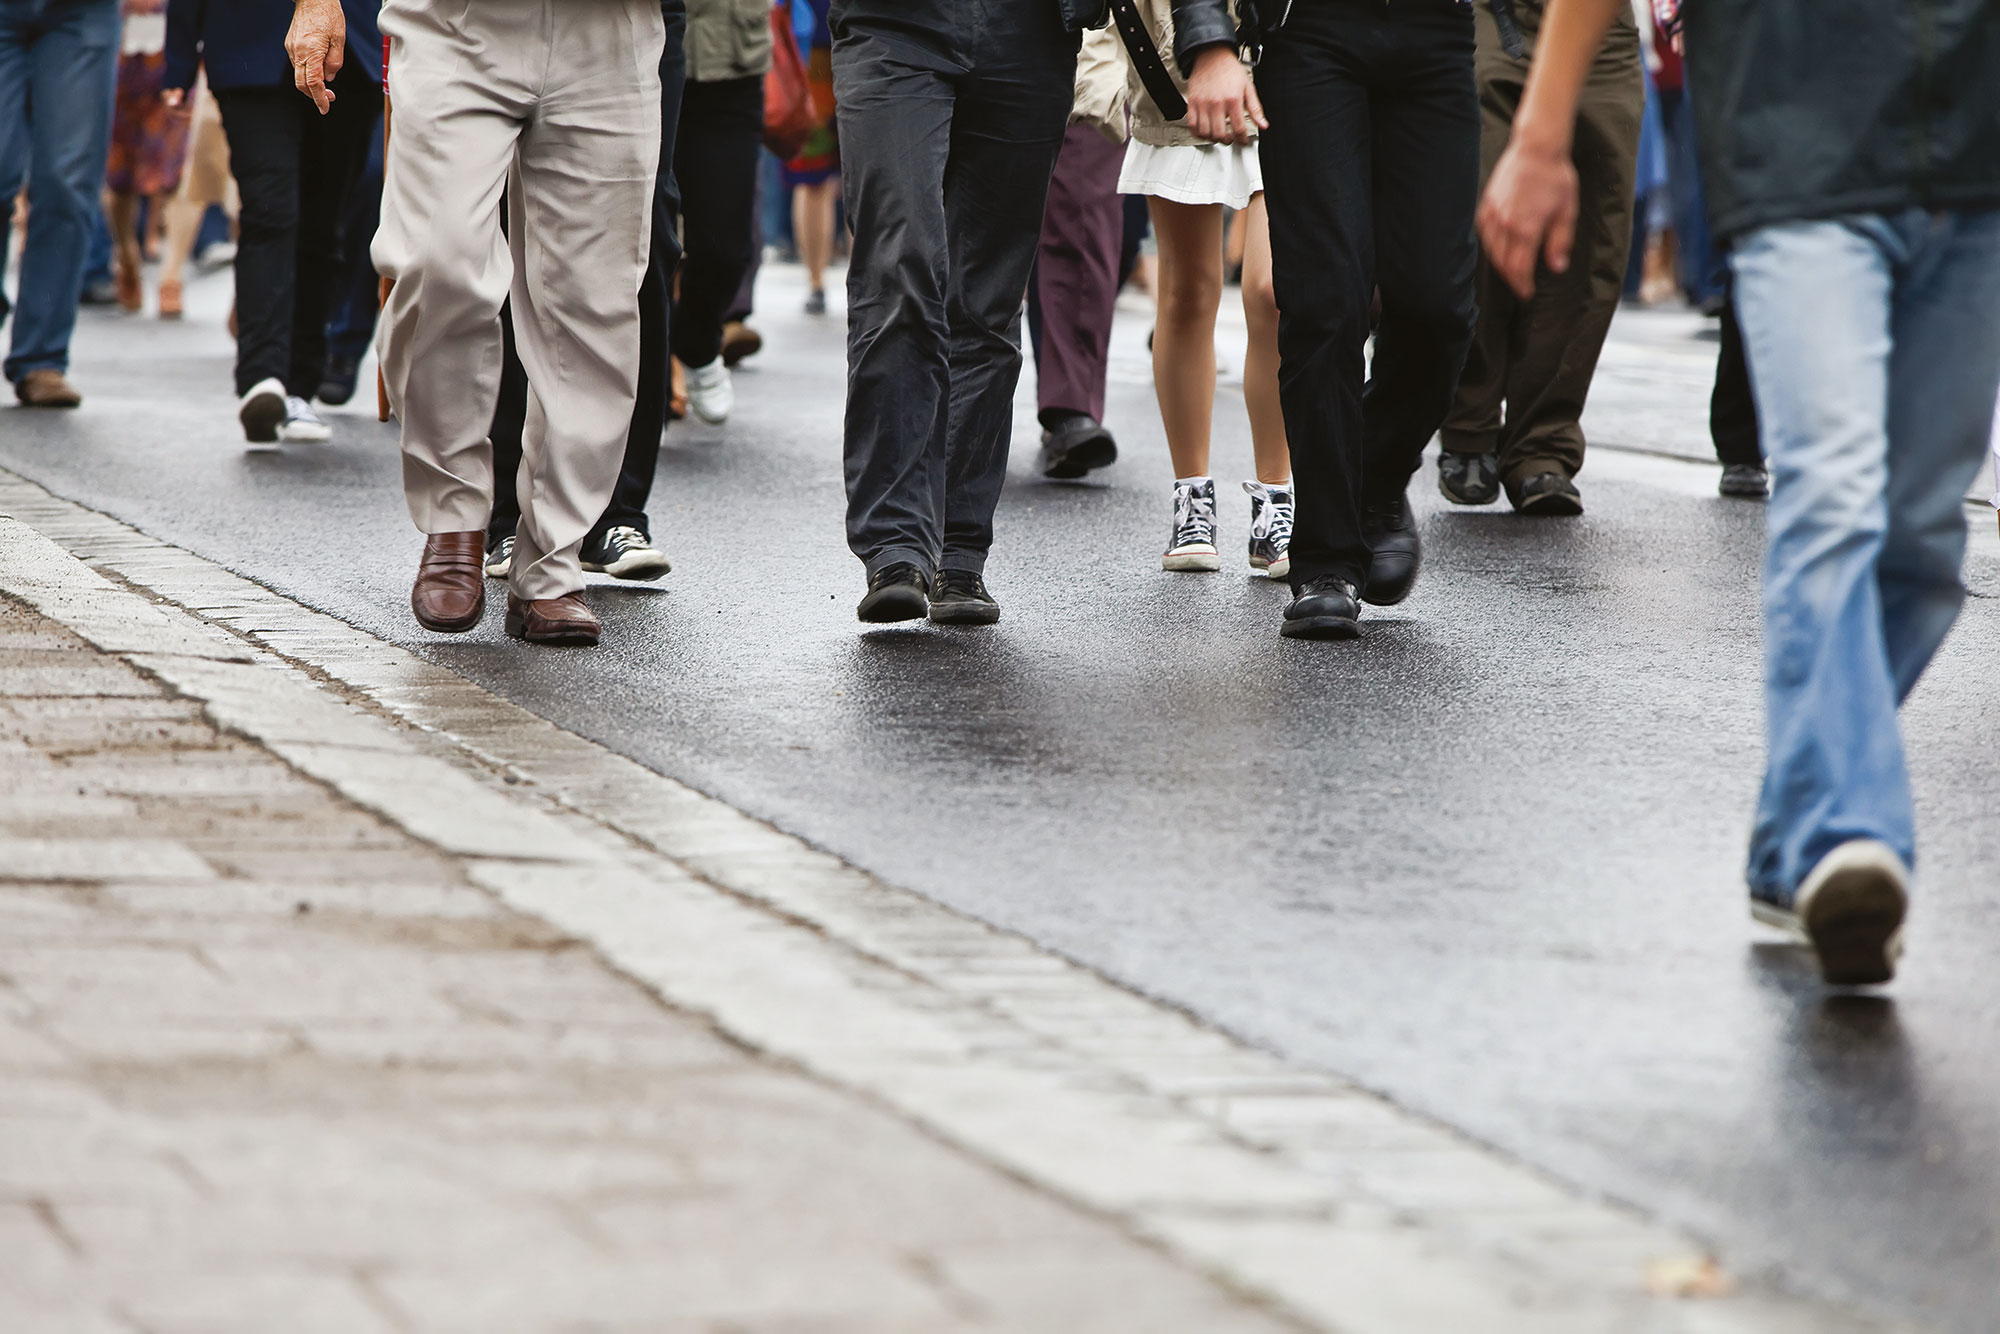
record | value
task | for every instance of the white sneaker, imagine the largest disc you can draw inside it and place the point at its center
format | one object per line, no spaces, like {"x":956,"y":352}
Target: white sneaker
{"x":1270,"y":528}
{"x":302,"y":426}
{"x":625,"y":553}
{"x":1850,"y":910}
{"x":710,"y":392}
{"x":261,"y":411}
{"x":500,"y":558}
{"x":1192,"y":546}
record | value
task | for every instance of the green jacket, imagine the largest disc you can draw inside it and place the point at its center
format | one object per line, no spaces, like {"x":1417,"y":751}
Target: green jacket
{"x":728,"y":39}
{"x":1816,"y":108}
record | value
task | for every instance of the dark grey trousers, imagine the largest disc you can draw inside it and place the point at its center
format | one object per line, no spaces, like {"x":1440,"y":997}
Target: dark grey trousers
{"x":947,"y":139}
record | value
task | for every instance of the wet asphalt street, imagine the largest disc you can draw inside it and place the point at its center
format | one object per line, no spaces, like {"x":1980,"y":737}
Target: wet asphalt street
{"x":1485,"y":860}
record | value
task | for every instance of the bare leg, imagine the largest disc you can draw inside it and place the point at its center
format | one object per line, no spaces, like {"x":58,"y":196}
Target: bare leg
{"x":183,"y":223}
{"x":1190,"y":291}
{"x":1260,"y":363}
{"x":121,"y":213}
{"x":812,"y":223}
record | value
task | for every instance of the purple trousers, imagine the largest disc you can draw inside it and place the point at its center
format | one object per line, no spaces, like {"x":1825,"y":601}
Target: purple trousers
{"x":1076,"y":275}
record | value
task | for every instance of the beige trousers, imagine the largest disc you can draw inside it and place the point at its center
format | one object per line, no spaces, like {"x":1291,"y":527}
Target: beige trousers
{"x":557,"y":101}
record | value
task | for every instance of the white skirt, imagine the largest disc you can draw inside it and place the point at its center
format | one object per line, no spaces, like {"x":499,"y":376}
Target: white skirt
{"x":1192,"y":173}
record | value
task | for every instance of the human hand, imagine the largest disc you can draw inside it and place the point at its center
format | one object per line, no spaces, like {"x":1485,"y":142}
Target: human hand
{"x":1529,"y":213}
{"x":1222,"y":102}
{"x":317,"y":45}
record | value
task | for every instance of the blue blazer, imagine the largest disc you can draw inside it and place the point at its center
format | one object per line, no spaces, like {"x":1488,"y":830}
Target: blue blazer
{"x":242,"y":42}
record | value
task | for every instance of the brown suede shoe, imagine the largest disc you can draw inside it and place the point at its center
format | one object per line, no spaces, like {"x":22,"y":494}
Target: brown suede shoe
{"x":450,"y":592}
{"x":563,"y":620}
{"x":46,"y":389}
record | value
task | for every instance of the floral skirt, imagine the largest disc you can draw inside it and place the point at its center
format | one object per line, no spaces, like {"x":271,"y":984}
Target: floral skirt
{"x":149,"y":140}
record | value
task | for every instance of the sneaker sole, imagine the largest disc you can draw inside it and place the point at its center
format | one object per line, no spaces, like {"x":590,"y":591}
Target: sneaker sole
{"x":897,"y":602}
{"x":636,"y":567}
{"x":261,"y":417}
{"x":1854,"y":922}
{"x":1320,"y":627}
{"x":1276,"y":569}
{"x":502,"y":569}
{"x":1088,"y":454}
{"x":1198,"y":562}
{"x":711,"y":420}
{"x":310,"y":435}
{"x":964,"y":613}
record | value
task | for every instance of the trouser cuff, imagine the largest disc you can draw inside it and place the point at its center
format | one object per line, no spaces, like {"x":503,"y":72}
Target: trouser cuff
{"x":972,"y":562}
{"x":882,"y":560}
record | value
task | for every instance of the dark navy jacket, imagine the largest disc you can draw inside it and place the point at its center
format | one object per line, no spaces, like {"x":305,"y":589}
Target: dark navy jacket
{"x":242,"y":42}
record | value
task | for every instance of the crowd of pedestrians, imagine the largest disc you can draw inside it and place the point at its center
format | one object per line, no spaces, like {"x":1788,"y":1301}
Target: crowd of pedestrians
{"x":566,"y":223}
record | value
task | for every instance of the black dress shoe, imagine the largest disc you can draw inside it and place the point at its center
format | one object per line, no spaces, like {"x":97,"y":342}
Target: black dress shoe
{"x":1323,"y":608}
{"x":1549,"y":494}
{"x":898,"y":592}
{"x":959,"y":597}
{"x":1469,"y":479}
{"x":1075,"y":445}
{"x":336,"y":386}
{"x":1395,"y":552}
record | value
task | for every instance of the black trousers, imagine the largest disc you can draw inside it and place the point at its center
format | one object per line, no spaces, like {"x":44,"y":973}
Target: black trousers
{"x":1732,"y":410}
{"x":715,"y":161}
{"x":649,"y":410}
{"x":293,"y":169}
{"x":948,"y":135}
{"x":1371,"y":170}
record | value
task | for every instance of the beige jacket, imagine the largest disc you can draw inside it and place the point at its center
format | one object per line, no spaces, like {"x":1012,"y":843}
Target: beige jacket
{"x":1109,"y":94}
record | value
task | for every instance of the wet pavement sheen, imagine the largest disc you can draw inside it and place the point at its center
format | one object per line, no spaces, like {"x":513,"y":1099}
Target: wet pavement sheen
{"x":1486,"y":860}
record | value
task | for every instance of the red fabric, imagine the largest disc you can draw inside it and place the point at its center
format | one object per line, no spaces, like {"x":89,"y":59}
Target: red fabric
{"x":1668,"y":77}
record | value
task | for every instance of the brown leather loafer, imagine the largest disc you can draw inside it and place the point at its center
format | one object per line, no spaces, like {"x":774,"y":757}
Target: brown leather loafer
{"x":46,"y":389}
{"x":450,"y":593}
{"x":563,"y":620}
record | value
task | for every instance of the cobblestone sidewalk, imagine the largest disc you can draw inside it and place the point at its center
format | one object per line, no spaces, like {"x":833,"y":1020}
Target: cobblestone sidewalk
{"x":266,"y":1063}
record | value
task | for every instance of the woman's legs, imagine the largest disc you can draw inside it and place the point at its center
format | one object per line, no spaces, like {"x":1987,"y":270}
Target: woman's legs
{"x":121,"y":210}
{"x":1260,"y":363}
{"x":812,"y":222}
{"x":1190,"y":291}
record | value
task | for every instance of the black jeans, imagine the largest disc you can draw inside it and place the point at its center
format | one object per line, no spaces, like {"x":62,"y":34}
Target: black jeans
{"x":721,"y":130}
{"x":293,"y":168}
{"x":1371,"y":169}
{"x":947,"y":139}
{"x":649,"y":409}
{"x":1732,"y":411}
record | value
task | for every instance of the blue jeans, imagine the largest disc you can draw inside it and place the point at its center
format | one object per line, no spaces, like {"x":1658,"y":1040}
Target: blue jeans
{"x":1874,"y":345}
{"x":59,"y":57}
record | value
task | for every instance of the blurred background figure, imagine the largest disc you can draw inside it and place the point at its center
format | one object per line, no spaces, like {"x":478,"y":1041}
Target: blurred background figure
{"x":149,"y":146}
{"x":205,"y":184}
{"x":814,"y":175}
{"x":58,"y":69}
{"x":715,"y":161}
{"x":356,"y":289}
{"x":294,"y":169}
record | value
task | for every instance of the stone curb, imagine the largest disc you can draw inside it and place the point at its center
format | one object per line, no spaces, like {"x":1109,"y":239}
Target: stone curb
{"x":1329,"y":1203}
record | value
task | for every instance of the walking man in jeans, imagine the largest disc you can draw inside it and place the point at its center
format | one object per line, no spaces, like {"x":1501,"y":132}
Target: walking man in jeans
{"x":1371,"y":170}
{"x":1860,"y":196}
{"x":58,"y":69}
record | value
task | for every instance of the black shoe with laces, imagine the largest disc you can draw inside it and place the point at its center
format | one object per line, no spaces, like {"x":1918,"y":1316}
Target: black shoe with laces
{"x":625,"y":552}
{"x":1548,"y":493}
{"x":896,"y":592}
{"x":1469,"y":479}
{"x":1323,"y":608}
{"x":1395,"y":551}
{"x":959,"y":597}
{"x":1745,"y":481}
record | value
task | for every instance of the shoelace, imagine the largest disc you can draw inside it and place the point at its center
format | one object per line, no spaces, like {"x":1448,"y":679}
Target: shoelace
{"x":1194,"y":516}
{"x":1270,"y":516}
{"x":624,"y":539}
{"x":963,"y":582}
{"x":297,"y":409}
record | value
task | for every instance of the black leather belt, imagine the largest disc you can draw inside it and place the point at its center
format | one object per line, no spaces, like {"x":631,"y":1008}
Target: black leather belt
{"x":1146,"y":59}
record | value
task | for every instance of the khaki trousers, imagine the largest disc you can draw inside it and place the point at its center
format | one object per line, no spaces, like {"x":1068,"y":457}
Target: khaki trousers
{"x":1537,"y":357}
{"x":557,"y":102}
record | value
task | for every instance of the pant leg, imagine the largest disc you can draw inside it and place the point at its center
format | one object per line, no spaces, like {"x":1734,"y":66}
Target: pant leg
{"x":439,"y":338}
{"x":634,"y":487}
{"x":1318,"y":161}
{"x":1815,"y":299}
{"x":510,"y":420}
{"x":333,"y":150}
{"x":582,"y":188}
{"x":1075,"y":283}
{"x":1478,"y":408}
{"x":1425,"y":112}
{"x":357,"y":288}
{"x":1005,"y":135}
{"x":896,"y":98}
{"x":1732,"y":410}
{"x":265,"y":128}
{"x":1564,"y":326}
{"x":68,"y":62}
{"x":716,"y":161}
{"x":1943,"y":376}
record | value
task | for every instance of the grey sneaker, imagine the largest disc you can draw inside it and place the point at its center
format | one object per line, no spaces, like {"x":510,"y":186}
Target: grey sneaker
{"x":1270,"y":528}
{"x":1850,"y":910}
{"x":1192,"y":544}
{"x":302,"y":426}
